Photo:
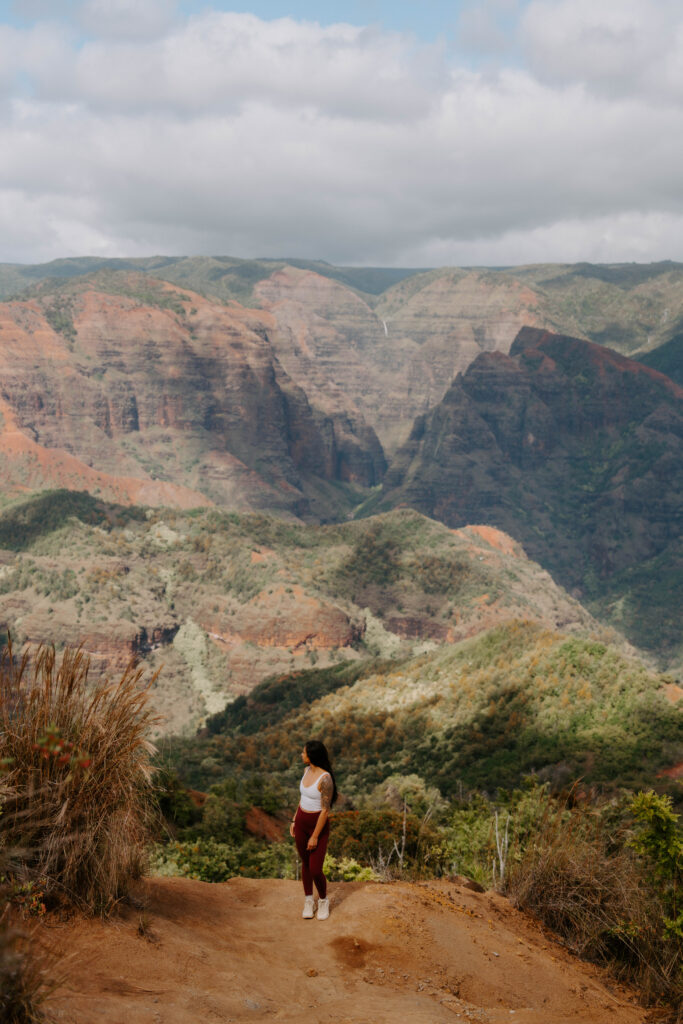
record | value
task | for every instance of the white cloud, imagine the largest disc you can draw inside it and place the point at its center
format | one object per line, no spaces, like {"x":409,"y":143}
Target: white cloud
{"x":223,"y":133}
{"x":127,"y":19}
{"x":224,"y":61}
{"x":616,"y":47}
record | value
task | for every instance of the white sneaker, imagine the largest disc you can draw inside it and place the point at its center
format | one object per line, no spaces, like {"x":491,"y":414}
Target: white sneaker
{"x":323,"y":910}
{"x":309,"y":908}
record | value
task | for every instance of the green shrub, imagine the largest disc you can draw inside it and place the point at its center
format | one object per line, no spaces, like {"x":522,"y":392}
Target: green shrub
{"x":222,"y":819}
{"x":345,"y":869}
{"x":174,"y":802}
{"x":375,"y":838}
{"x":207,"y":860}
{"x":659,"y":840}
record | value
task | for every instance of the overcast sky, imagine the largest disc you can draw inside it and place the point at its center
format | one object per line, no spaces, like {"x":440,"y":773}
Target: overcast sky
{"x":411,"y":133}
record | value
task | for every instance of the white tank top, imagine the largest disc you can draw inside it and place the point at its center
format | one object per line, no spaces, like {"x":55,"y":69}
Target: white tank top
{"x":311,"y":797}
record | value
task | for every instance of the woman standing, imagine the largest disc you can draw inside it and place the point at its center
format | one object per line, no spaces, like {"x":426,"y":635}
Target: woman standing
{"x":310,"y":826}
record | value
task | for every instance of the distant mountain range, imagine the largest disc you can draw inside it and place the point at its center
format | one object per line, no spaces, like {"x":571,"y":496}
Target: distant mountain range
{"x":317,"y":393}
{"x":387,"y":343}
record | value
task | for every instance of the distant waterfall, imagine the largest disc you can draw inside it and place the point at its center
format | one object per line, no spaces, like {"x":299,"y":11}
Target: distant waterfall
{"x":384,"y":325}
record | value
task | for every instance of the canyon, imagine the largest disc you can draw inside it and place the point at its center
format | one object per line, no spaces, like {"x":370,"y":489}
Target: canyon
{"x":319,"y":394}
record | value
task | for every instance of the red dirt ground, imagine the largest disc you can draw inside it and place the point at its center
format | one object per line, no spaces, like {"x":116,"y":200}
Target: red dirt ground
{"x":426,"y":953}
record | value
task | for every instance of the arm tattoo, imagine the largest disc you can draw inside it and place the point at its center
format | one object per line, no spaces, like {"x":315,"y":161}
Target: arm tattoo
{"x":326,"y":791}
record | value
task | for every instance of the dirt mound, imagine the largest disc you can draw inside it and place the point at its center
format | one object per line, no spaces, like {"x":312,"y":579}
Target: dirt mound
{"x":430,"y":953}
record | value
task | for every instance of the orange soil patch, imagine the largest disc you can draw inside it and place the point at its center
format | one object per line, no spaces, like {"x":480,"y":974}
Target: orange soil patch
{"x":258,"y":823}
{"x":495,"y":538}
{"x":672,"y":692}
{"x":430,"y":953}
{"x":197,"y":797}
{"x":261,"y":556}
{"x":54,"y":467}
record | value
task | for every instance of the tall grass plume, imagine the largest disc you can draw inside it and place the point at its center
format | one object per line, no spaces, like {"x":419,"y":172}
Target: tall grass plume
{"x":79,"y":776}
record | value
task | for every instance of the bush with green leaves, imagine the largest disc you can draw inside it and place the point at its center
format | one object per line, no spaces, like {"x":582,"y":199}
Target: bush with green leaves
{"x":345,"y":869}
{"x":659,"y":839}
{"x":207,"y":860}
{"x":377,"y":838}
{"x":204,"y":859}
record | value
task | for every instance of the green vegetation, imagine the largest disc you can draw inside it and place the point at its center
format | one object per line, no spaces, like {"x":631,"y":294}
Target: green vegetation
{"x":224,"y":276}
{"x":484,"y":713}
{"x":513,"y":758}
{"x":461,"y":760}
{"x":612,"y":304}
{"x":643,"y":602}
{"x":603,"y":872}
{"x":465,"y":760}
{"x":42,"y":514}
{"x":59,"y":315}
{"x":144,"y":291}
{"x":279,"y":697}
{"x":368,"y":280}
{"x":206,"y":574}
{"x":667,"y":359}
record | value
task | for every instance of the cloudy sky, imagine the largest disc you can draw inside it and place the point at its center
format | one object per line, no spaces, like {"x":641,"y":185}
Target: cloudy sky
{"x":415,"y":133}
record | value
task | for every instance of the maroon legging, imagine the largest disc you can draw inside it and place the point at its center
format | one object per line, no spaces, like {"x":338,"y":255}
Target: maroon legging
{"x":311,"y":860}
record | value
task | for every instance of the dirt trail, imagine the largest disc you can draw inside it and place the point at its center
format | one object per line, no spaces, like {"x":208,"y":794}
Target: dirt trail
{"x":429,"y":953}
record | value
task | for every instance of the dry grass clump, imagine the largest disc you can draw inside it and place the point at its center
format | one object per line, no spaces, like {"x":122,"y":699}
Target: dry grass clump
{"x":79,"y":776}
{"x":593,"y":891}
{"x":26,"y":975}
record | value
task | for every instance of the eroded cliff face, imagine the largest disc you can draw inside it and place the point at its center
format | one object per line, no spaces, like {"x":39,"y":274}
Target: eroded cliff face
{"x":572,"y":449}
{"x":143,"y":392}
{"x":393,"y":360}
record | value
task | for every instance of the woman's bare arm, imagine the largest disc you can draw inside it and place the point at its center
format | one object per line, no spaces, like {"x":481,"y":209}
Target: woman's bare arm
{"x":326,"y":788}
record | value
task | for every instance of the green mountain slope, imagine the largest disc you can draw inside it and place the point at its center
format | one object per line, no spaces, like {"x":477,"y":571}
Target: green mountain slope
{"x":668,"y":359}
{"x":224,"y":276}
{"x":484,"y":713}
{"x":220,"y":601}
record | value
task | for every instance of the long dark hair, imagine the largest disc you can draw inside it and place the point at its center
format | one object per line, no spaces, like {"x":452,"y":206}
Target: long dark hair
{"x":318,"y":756}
